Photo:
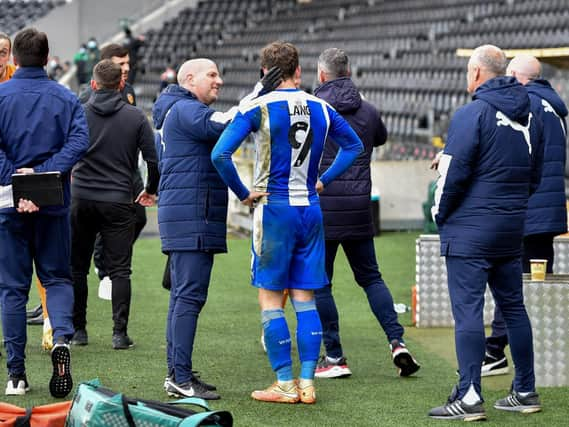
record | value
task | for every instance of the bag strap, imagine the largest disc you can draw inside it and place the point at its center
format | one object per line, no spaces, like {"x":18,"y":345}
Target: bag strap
{"x":221,"y":418}
{"x":24,"y":420}
{"x":191,"y":401}
{"x":126,"y":411}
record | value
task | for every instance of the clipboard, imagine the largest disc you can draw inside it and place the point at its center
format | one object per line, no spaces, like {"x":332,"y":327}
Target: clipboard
{"x":44,"y":188}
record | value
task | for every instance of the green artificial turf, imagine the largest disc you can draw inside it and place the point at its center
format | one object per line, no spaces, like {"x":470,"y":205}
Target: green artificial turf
{"x":228,"y":351}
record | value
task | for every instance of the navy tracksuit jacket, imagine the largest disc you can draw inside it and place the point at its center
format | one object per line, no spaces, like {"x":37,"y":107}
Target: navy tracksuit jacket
{"x":489,"y":168}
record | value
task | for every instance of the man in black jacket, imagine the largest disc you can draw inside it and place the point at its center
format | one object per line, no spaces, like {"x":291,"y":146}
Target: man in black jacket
{"x":347,"y":220}
{"x":119,"y":55}
{"x":102,"y":196}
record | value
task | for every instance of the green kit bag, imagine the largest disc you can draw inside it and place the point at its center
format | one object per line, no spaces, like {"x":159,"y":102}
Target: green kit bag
{"x":96,"y":406}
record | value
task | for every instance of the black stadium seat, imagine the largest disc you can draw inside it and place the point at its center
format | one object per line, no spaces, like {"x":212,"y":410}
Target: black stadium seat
{"x":403,"y":50}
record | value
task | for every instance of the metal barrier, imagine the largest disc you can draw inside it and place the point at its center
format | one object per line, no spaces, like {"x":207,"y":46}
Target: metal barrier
{"x":547,"y":304}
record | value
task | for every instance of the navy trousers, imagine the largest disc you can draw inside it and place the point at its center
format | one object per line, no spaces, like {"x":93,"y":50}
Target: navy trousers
{"x":363,"y":262}
{"x":536,"y":246}
{"x":190,"y":274}
{"x":44,"y":241}
{"x":467,"y":278}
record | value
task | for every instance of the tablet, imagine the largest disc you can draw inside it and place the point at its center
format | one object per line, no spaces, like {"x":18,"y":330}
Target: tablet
{"x":44,"y":189}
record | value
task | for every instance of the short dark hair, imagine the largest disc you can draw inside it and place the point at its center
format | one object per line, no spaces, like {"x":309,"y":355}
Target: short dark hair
{"x":107,"y":74}
{"x":280,"y":54}
{"x":31,"y":48}
{"x":4,"y":36}
{"x":113,"y":49}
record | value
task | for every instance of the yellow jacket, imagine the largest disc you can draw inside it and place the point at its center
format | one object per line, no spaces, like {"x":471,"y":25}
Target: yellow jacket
{"x":10,"y":70}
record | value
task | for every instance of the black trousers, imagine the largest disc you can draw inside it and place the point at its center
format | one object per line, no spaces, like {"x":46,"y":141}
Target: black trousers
{"x":115,"y":223}
{"x":98,"y":256}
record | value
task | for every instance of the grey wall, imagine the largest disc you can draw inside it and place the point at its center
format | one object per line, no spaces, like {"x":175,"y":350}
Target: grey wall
{"x":72,"y":24}
{"x":62,"y":29}
{"x":402,"y":186}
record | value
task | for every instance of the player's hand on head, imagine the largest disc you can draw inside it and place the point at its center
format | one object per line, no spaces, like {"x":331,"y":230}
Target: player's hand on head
{"x":271,"y":80}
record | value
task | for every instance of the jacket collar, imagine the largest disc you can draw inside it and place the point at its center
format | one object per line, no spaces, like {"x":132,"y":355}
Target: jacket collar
{"x":30,"y":73}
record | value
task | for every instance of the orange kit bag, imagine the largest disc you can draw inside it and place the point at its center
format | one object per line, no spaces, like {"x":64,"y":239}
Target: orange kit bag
{"x":52,"y":415}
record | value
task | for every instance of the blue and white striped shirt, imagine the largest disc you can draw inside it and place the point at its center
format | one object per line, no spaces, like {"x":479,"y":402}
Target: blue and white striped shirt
{"x":289,"y":128}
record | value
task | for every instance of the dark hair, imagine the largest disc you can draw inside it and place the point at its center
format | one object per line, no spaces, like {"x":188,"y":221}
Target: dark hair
{"x":113,"y":49}
{"x":31,"y":48}
{"x":4,"y":36}
{"x":280,"y":54}
{"x":107,"y":74}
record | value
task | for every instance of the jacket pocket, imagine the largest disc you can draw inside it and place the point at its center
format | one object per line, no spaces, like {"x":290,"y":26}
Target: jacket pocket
{"x":206,"y":207}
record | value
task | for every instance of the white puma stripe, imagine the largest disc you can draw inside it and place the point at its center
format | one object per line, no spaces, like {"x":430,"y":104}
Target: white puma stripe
{"x":549,"y":109}
{"x":503,"y":120}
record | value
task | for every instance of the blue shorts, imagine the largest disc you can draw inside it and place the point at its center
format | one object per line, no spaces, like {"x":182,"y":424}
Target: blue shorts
{"x":288,"y":247}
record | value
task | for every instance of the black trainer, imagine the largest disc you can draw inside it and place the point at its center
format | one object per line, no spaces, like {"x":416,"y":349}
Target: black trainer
{"x":38,"y":320}
{"x":17,"y":385}
{"x":80,"y":337}
{"x":405,"y":362}
{"x":122,"y":342}
{"x":210,"y":387}
{"x":34,"y":312}
{"x":494,"y":365}
{"x":196,"y":374}
{"x":516,"y":403}
{"x":191,"y":388}
{"x":61,"y":382}
{"x":328,"y":369}
{"x":456,"y":409}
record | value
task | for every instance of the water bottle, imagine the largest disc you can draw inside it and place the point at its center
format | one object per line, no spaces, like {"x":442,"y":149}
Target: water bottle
{"x":401,"y":308}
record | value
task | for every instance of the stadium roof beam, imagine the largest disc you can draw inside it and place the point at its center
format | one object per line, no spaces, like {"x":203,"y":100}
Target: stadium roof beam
{"x":556,"y":56}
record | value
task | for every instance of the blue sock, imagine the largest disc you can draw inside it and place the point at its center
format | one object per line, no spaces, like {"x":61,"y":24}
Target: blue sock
{"x":278,"y":343}
{"x":284,"y":373}
{"x":308,"y":336}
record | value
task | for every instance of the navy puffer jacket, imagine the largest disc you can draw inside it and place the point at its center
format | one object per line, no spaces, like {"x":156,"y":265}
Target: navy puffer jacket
{"x":345,"y":201}
{"x":490,"y":166}
{"x":547,"y":212}
{"x":192,"y":208}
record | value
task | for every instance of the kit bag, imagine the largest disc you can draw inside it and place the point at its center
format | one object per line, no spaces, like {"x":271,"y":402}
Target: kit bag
{"x":96,"y":406}
{"x":52,"y":415}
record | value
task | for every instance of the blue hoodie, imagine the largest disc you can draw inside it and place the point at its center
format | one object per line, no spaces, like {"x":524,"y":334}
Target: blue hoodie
{"x":489,"y":168}
{"x":547,"y":212}
{"x":192,"y":208}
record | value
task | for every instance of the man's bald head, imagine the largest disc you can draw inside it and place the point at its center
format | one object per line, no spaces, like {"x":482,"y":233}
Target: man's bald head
{"x":491,"y":58}
{"x":193,"y":66}
{"x":201,"y":77}
{"x":524,"y":68}
{"x":486,"y":62}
